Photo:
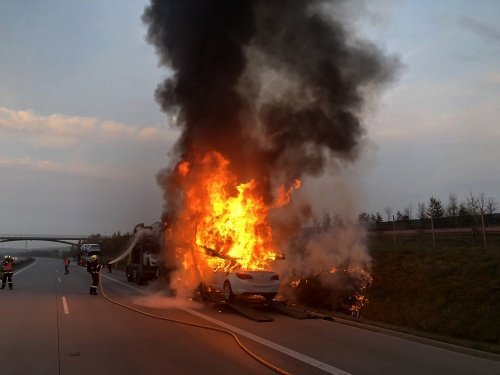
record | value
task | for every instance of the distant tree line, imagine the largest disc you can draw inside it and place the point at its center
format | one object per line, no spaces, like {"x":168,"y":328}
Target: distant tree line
{"x":59,"y":252}
{"x":111,"y":246}
{"x":473,"y":211}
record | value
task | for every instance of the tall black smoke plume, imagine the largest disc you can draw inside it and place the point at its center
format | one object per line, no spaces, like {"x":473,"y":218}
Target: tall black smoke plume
{"x":277,"y":87}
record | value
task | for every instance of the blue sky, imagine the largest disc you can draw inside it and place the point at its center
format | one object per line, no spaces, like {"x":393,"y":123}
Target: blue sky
{"x":81,"y":137}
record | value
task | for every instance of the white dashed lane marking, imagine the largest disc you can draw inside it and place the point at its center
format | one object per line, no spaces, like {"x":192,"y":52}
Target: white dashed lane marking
{"x":65,"y":305}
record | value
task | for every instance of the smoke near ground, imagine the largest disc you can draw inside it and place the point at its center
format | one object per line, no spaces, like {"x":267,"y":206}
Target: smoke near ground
{"x":277,"y":87}
{"x":160,"y":301}
{"x":327,"y":267}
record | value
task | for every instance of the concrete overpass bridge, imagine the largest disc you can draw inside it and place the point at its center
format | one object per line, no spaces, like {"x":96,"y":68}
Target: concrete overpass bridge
{"x":68,"y":240}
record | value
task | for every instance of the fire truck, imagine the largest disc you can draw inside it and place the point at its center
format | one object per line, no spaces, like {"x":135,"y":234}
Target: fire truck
{"x":144,"y":254}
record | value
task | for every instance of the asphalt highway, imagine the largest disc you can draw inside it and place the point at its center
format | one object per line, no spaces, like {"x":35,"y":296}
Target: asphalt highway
{"x":52,"y":325}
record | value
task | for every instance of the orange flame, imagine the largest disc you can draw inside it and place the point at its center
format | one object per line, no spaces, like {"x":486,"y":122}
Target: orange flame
{"x":230,"y":218}
{"x":183,"y":168}
{"x":285,"y":196}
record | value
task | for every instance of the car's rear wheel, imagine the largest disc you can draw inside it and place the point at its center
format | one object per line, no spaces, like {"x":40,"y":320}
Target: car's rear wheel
{"x":270,"y":298}
{"x":130,"y":277}
{"x":138,"y":278}
{"x":228,"y":292}
{"x":203,"y":290}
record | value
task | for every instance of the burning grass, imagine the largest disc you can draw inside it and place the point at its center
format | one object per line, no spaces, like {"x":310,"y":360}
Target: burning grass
{"x":329,"y":270}
{"x":341,"y":290}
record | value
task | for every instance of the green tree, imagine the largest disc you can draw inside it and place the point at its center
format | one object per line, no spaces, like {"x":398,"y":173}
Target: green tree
{"x":462,"y":210}
{"x":435,"y":208}
{"x":491,"y":206}
{"x":408,"y":211}
{"x":376,"y":218}
{"x":363,"y":217}
{"x":399,"y":216}
{"x":422,"y":211}
{"x":473,"y":204}
{"x":388,"y":212}
{"x":452,"y":208}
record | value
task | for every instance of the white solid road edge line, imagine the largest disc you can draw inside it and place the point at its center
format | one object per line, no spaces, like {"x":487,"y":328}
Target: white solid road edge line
{"x":65,"y":305}
{"x":25,"y":268}
{"x":292,"y":353}
{"x":124,"y":284}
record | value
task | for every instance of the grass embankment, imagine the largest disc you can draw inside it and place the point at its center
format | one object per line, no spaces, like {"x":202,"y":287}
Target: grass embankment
{"x":450,"y":292}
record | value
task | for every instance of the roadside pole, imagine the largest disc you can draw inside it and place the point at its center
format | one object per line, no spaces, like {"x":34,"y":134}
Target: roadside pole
{"x":482,"y":223}
{"x":432,"y":229}
{"x":394,"y":230}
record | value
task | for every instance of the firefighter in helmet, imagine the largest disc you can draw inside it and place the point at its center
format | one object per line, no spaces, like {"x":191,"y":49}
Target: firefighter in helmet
{"x":94,"y":267}
{"x":7,"y":270}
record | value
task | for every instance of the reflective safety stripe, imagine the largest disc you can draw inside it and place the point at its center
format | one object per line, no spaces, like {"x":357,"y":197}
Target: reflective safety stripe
{"x":7,"y":266}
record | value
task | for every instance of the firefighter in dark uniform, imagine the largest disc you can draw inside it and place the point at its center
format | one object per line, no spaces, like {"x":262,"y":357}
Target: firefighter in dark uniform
{"x":93,"y":267}
{"x":7,"y":270}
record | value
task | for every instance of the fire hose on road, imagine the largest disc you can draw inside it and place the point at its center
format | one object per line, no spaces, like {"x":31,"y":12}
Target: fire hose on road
{"x":225,"y":331}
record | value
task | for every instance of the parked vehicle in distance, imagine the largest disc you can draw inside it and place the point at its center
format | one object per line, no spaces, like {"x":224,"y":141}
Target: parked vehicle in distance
{"x":86,"y":251}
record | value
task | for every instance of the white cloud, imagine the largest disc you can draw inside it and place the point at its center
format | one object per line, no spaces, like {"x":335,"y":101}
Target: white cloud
{"x":63,"y":131}
{"x":50,"y":167}
{"x":84,"y":147}
{"x":60,"y":165}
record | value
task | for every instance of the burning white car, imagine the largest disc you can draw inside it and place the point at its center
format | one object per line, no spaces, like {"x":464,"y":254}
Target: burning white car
{"x":230,"y":279}
{"x":247,"y":283}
